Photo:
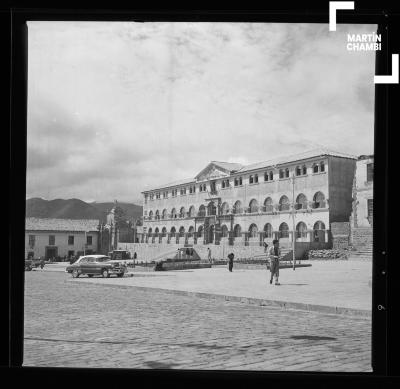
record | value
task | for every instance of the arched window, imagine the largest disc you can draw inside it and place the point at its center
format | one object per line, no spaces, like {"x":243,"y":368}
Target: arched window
{"x":315,"y":168}
{"x":322,"y":166}
{"x":253,"y":206}
{"x":268,"y":230}
{"x":301,"y":201}
{"x":173,"y":231}
{"x":281,"y":173}
{"x":191,"y":230}
{"x":304,"y":169}
{"x":298,"y":171}
{"x":319,"y":225}
{"x":182,"y":212}
{"x":283,"y":231}
{"x":271,"y":176}
{"x":150,"y":231}
{"x":286,"y":172}
{"x":173,"y":213}
{"x":319,"y":200}
{"x":268,"y":204}
{"x":164,"y":214}
{"x":253,"y":229}
{"x":156,"y":231}
{"x":202,"y":210}
{"x":225,"y":208}
{"x":157,"y":215}
{"x":266,"y":176}
{"x":150,"y":215}
{"x":192,"y":211}
{"x":301,"y":230}
{"x":212,"y":209}
{"x":284,"y":203}
{"x":164,"y":231}
{"x":182,"y":231}
{"x":200,"y":231}
{"x":237,"y":231}
{"x":237,"y":208}
{"x":224,"y":231}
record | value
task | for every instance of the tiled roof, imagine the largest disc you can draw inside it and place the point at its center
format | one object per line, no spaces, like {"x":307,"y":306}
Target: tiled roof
{"x":295,"y":157}
{"x":175,"y":183}
{"x":44,"y":224}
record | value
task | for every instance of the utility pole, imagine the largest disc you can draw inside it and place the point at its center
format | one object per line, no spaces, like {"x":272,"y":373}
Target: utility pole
{"x":293,"y":231}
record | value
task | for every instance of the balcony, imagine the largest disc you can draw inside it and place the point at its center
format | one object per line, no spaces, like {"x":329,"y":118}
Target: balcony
{"x":319,"y":204}
{"x":299,"y":206}
{"x":284,"y":207}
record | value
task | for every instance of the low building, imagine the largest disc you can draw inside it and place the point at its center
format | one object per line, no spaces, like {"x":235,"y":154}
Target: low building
{"x":59,"y":238}
{"x":228,"y":203}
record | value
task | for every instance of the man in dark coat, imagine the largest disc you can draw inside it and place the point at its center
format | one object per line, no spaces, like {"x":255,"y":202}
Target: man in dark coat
{"x":274,"y":254}
{"x":230,"y":261}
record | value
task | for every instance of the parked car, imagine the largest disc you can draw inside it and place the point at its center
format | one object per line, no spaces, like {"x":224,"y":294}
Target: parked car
{"x":33,"y":263}
{"x":96,"y":265}
{"x":28,"y":264}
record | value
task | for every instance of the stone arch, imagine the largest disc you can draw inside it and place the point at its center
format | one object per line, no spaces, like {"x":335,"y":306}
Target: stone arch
{"x":173,"y":231}
{"x":225,"y":208}
{"x":268,"y":204}
{"x":164,"y":231}
{"x":319,"y":200}
{"x":301,"y":201}
{"x":301,"y":230}
{"x":283,"y":230}
{"x":284,"y":203}
{"x":150,"y":230}
{"x":182,"y":212}
{"x":200,"y":231}
{"x":268,"y":230}
{"x":319,"y":231}
{"x":224,"y":231}
{"x":191,"y":230}
{"x":182,"y":231}
{"x":237,"y":207}
{"x":157,"y":215}
{"x":164,"y":214}
{"x":156,"y":231}
{"x":150,"y":215}
{"x":253,"y":229}
{"x":192,"y":211}
{"x":173,"y":213}
{"x":237,"y":231}
{"x":202,"y":210}
{"x":253,"y":206}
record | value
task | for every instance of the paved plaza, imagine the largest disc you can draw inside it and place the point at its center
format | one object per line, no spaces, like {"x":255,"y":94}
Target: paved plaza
{"x":80,"y":323}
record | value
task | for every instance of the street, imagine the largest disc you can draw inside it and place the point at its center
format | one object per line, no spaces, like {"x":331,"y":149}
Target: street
{"x":80,"y":324}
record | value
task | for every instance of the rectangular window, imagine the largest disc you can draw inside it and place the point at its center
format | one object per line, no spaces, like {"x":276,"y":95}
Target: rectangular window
{"x":236,"y":182}
{"x":31,"y":241}
{"x":251,"y":180}
{"x":71,"y":240}
{"x":52,"y":240}
{"x":240,"y":181}
{"x":281,"y":173}
{"x":89,"y":240}
{"x":256,"y":178}
{"x":370,"y":172}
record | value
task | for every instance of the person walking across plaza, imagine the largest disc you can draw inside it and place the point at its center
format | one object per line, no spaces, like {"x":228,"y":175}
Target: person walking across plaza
{"x":230,"y":261}
{"x":274,"y":254}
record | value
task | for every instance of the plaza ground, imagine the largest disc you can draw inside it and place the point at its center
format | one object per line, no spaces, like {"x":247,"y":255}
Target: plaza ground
{"x":136,"y":322}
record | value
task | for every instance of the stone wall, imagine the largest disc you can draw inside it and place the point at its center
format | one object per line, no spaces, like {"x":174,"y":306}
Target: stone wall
{"x":340,"y":235}
{"x":362,"y":237}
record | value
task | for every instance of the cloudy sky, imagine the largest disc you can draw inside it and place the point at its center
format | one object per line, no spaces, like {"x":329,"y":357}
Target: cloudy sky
{"x":117,"y":108}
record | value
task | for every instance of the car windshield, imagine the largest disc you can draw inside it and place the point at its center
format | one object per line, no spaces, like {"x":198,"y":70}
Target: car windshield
{"x":103,"y":259}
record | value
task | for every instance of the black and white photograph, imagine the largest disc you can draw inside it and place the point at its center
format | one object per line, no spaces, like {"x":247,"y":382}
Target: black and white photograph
{"x":199,"y":195}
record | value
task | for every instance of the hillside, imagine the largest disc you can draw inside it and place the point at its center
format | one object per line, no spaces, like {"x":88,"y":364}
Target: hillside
{"x":76,"y":209}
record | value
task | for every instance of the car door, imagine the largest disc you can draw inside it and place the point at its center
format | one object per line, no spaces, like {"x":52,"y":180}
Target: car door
{"x":82,"y":265}
{"x":91,"y":267}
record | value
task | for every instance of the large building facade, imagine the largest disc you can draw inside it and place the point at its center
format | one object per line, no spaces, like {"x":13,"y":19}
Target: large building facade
{"x":228,"y":203}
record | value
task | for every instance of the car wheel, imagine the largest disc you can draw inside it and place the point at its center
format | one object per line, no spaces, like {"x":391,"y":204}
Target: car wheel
{"x":105,"y":273}
{"x":90,"y":275}
{"x":120,"y":275}
{"x":75,"y":273}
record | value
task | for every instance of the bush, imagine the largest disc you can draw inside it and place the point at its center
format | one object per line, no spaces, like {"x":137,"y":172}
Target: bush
{"x":327,"y":254}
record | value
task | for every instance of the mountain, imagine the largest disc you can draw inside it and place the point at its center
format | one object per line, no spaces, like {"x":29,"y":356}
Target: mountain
{"x":77,"y":209}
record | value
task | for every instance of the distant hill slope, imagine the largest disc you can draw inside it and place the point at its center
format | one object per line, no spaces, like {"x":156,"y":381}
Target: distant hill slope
{"x":76,"y":209}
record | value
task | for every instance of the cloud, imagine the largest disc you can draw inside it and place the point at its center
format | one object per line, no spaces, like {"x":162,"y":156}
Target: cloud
{"x":115,"y":108}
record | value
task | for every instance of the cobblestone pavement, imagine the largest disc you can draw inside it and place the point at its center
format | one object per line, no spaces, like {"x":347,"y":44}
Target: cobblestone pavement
{"x":72,"y":324}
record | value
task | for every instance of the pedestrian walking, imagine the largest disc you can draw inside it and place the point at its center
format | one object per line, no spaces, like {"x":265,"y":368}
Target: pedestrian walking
{"x":274,"y":254}
{"x":209,"y":254}
{"x":230,"y":261}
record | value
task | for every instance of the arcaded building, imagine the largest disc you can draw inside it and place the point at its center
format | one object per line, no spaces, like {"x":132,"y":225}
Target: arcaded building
{"x":228,"y":203}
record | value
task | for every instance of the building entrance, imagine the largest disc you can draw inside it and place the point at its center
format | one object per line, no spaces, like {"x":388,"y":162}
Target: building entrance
{"x":51,"y":252}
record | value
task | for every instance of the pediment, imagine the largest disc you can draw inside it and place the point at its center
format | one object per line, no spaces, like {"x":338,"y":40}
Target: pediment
{"x":212,"y":172}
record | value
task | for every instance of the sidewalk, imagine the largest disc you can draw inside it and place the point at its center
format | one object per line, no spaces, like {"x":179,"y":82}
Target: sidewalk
{"x":327,"y":286}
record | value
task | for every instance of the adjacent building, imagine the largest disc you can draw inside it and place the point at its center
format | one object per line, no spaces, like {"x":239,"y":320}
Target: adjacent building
{"x":241,"y":205}
{"x":57,"y":238}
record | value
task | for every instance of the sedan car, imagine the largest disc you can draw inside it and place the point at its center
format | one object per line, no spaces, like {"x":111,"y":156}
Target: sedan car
{"x":96,"y":265}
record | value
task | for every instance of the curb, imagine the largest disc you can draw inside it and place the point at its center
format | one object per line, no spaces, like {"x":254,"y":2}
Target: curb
{"x":351,"y":312}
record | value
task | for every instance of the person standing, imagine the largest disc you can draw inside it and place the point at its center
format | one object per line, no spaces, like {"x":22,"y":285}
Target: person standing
{"x":274,"y":254}
{"x":265,"y":244}
{"x":209,"y":254}
{"x":230,"y":261}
